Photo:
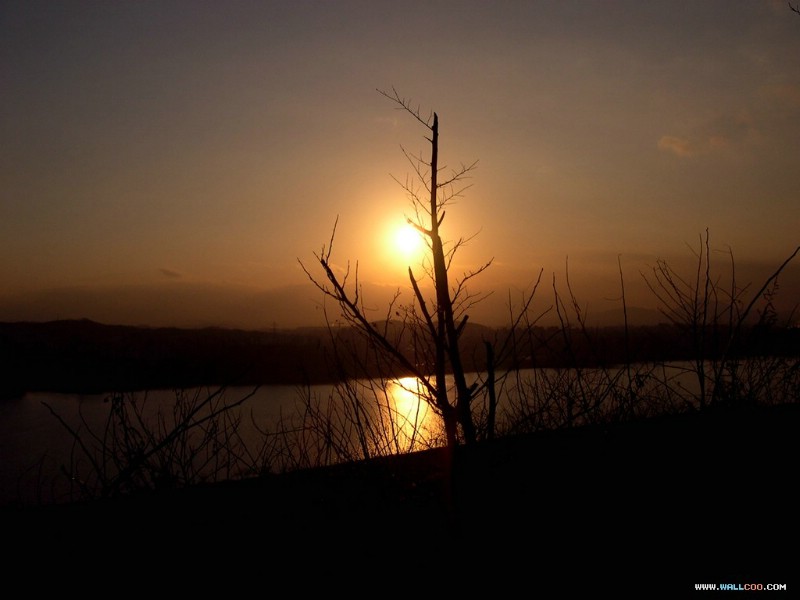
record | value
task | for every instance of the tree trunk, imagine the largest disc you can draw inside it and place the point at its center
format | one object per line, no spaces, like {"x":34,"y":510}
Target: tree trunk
{"x":490,"y":382}
{"x":448,"y":334}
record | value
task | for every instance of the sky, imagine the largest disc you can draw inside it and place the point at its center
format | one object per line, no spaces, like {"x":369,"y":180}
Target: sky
{"x":172,"y":162}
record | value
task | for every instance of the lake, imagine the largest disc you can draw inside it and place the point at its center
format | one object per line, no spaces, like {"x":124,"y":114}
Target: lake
{"x":288,"y":426}
{"x":35,"y":444}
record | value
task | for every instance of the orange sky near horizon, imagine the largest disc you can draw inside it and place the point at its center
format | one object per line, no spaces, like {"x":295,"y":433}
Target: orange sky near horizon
{"x":170,"y":162}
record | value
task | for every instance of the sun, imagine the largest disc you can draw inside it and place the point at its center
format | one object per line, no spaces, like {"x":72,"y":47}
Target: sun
{"x":408,"y":241}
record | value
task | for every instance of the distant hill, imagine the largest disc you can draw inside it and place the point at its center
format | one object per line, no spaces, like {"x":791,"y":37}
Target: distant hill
{"x":83,"y":356}
{"x":636,"y":316}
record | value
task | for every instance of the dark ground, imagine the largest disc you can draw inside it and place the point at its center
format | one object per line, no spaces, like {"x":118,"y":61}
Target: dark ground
{"x":666,"y":503}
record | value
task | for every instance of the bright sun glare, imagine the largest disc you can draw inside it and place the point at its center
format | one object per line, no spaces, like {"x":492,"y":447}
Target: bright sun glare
{"x":408,"y":241}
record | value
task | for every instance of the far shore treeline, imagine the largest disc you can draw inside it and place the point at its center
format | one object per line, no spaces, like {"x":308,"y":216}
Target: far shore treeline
{"x":82,"y":356}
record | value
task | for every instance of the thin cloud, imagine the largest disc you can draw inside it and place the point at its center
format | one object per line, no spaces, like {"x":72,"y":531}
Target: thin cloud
{"x":785,"y":94}
{"x":779,"y":7}
{"x":679,"y":146}
{"x":724,"y":132}
{"x":168,"y":273}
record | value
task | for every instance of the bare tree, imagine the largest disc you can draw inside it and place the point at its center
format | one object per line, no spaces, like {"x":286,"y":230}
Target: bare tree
{"x":426,"y":344}
{"x":713,"y":319}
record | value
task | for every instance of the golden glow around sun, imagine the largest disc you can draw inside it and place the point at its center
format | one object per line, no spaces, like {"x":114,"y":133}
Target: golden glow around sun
{"x":398,"y":246}
{"x":408,"y":241}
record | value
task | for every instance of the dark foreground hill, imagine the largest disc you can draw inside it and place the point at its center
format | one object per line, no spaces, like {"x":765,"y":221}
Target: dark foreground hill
{"x":666,"y":502}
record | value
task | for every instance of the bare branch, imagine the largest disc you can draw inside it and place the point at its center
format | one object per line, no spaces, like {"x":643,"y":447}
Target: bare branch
{"x":405,"y":104}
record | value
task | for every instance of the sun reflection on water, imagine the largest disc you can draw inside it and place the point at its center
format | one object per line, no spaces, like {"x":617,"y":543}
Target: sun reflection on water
{"x":411,"y":414}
